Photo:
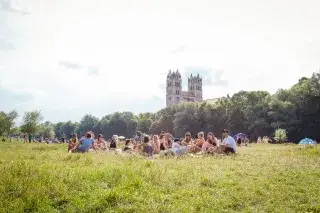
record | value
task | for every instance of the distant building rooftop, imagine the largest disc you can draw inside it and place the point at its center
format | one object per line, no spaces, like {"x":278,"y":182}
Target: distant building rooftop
{"x":212,"y":100}
{"x":187,"y":94}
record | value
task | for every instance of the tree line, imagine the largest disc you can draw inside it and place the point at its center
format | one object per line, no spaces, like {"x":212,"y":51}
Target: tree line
{"x":256,"y":113}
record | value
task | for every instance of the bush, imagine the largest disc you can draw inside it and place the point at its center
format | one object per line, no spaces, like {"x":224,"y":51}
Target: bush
{"x":280,"y":135}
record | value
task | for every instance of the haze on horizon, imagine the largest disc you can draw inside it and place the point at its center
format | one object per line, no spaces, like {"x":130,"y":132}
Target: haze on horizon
{"x":69,"y":58}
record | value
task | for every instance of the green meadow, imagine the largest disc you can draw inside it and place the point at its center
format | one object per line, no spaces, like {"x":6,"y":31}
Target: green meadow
{"x":260,"y":178}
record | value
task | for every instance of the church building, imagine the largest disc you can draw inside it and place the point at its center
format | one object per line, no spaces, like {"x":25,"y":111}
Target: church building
{"x":174,"y":93}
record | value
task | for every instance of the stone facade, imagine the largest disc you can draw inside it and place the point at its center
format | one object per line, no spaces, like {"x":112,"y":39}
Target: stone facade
{"x":174,"y":93}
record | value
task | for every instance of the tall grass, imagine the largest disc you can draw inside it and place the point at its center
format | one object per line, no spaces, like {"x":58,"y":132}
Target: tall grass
{"x":261,"y":178}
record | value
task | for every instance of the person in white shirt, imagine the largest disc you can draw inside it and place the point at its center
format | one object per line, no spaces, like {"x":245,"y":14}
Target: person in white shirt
{"x":228,"y":143}
{"x":177,"y":149}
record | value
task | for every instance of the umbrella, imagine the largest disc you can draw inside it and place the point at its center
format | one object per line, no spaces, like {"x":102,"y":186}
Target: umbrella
{"x":239,"y":135}
{"x":307,"y":141}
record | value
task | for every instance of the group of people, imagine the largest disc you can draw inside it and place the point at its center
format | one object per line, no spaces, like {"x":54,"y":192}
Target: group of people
{"x":163,"y":143}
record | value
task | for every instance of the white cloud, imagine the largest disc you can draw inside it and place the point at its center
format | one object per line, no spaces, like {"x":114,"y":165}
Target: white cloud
{"x":125,"y":47}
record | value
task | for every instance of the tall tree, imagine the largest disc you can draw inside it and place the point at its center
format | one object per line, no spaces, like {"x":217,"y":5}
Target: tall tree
{"x":46,"y":130}
{"x":68,"y":128}
{"x":7,"y":122}
{"x":31,"y":121}
{"x":89,"y":123}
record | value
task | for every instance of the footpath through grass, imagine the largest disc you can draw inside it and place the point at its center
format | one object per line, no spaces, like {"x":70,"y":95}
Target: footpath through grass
{"x":261,"y":178}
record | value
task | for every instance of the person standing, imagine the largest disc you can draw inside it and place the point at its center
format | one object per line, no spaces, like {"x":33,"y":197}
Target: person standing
{"x":30,"y":137}
{"x":63,"y":138}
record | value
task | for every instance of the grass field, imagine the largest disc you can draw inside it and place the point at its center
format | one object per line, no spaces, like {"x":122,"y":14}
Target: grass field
{"x":261,"y":178}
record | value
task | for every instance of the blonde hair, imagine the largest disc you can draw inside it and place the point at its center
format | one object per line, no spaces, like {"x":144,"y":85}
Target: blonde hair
{"x":155,"y":137}
{"x":201,"y":134}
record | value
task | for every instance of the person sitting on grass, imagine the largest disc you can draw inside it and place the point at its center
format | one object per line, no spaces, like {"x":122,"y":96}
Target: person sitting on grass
{"x":84,"y":145}
{"x":200,"y":141}
{"x":73,"y":142}
{"x":100,"y":143}
{"x":146,"y":146}
{"x":127,"y":146}
{"x":155,"y":144}
{"x":239,"y":141}
{"x":187,"y":140}
{"x":228,"y":144}
{"x":197,"y":147}
{"x":168,"y":138}
{"x":163,"y":143}
{"x":92,"y":135}
{"x":135,"y":146}
{"x":114,"y":142}
{"x":211,"y":145}
{"x":259,"y":140}
{"x":177,"y":149}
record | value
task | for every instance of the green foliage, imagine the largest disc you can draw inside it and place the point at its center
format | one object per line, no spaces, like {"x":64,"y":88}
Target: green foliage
{"x":256,"y":113}
{"x":265,"y":139}
{"x":7,"y":121}
{"x":144,"y":121}
{"x":280,"y":135}
{"x":45,"y":178}
{"x":47,"y":130}
{"x":31,"y":121}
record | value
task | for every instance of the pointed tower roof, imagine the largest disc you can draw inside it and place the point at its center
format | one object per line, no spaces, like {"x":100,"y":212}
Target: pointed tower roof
{"x":169,"y":74}
{"x":178,"y":73}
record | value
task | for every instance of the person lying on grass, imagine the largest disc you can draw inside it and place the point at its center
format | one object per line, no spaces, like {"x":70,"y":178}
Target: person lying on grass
{"x":84,"y":145}
{"x":73,"y":143}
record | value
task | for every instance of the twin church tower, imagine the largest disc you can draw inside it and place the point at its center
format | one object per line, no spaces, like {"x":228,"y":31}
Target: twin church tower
{"x":174,"y":93}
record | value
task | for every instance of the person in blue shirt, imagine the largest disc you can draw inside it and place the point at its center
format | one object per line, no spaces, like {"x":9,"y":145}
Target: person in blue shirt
{"x":84,"y":144}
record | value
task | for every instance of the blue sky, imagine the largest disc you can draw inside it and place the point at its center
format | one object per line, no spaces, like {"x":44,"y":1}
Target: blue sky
{"x":69,"y":58}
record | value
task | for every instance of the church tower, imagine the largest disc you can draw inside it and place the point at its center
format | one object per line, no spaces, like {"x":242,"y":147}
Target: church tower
{"x":173,"y":88}
{"x":195,"y":87}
